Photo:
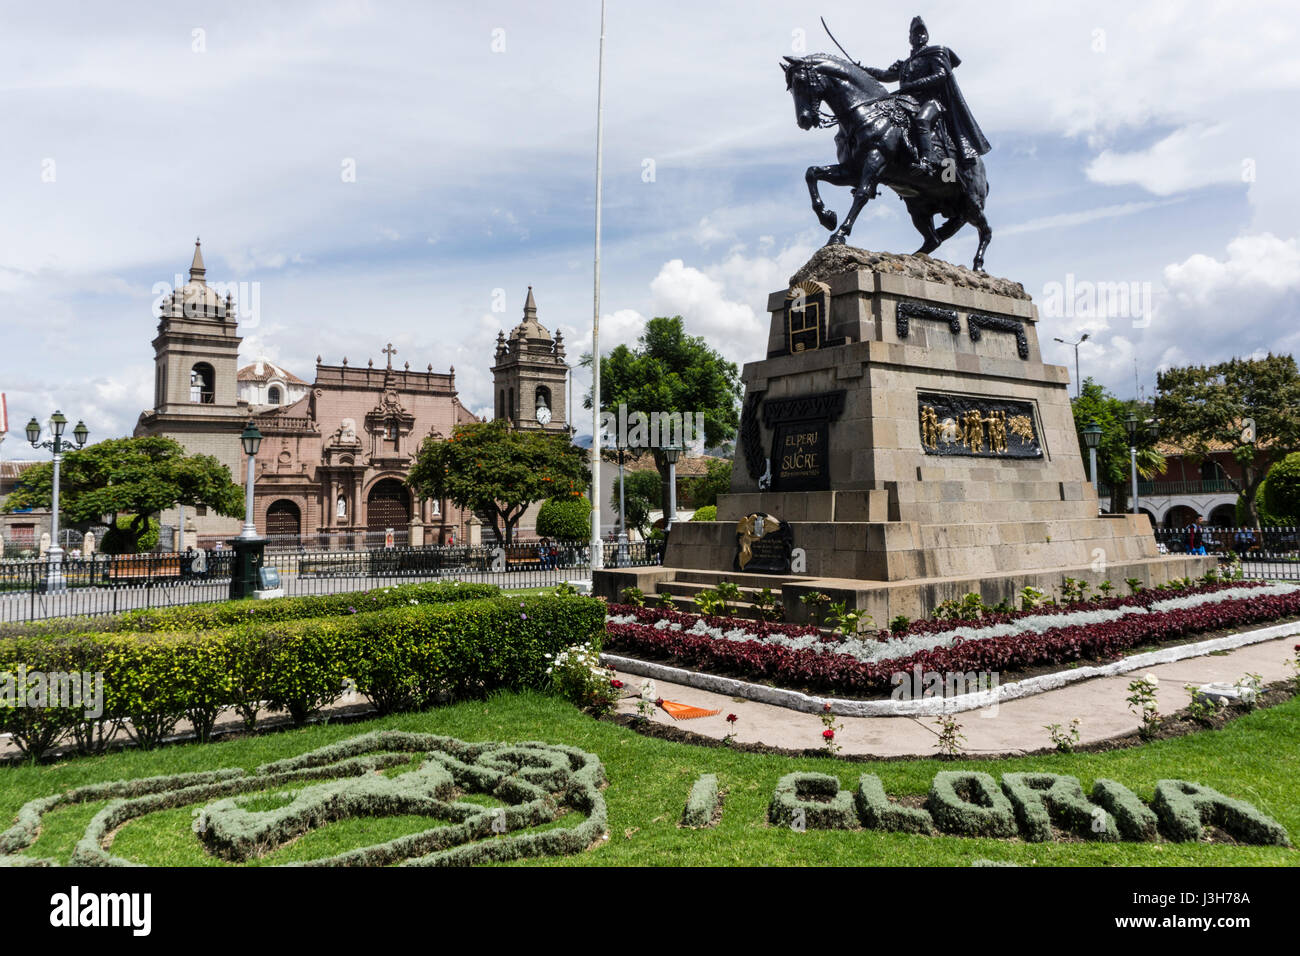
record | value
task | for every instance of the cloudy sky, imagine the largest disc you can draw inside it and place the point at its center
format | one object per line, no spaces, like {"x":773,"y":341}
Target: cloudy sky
{"x":387,"y":171}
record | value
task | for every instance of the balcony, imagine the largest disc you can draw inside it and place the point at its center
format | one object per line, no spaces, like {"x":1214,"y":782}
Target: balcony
{"x":1164,"y":489}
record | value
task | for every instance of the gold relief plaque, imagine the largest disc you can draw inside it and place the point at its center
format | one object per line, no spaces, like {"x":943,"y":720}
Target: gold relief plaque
{"x":763,"y":544}
{"x":967,"y":425}
{"x":807,"y":305}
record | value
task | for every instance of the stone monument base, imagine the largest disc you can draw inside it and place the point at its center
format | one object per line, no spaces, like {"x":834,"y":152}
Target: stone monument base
{"x":901,"y":444}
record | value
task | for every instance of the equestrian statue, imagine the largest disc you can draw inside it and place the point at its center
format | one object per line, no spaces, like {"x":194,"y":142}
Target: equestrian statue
{"x":922,"y":141}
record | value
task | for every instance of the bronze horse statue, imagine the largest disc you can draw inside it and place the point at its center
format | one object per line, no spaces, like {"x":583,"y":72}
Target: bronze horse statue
{"x":873,"y":147}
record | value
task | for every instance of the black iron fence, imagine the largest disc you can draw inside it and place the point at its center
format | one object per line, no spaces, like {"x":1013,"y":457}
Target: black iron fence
{"x":111,"y":584}
{"x":1264,"y":552}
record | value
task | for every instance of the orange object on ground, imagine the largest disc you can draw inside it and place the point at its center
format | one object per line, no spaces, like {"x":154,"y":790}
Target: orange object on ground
{"x":685,"y":711}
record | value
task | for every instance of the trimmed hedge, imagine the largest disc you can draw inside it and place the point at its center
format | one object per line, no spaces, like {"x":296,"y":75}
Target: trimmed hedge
{"x":702,"y":804}
{"x":536,"y":780}
{"x":878,"y":812}
{"x":1183,"y":808}
{"x":969,"y":803}
{"x":1041,"y":799}
{"x":401,"y":658}
{"x":1135,"y":820}
{"x":205,"y":617}
{"x":818,"y":796}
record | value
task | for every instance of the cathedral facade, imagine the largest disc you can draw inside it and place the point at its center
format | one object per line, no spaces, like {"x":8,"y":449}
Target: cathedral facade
{"x":336,"y":451}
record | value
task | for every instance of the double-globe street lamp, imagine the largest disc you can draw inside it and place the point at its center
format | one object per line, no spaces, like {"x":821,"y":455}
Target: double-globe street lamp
{"x":54,"y":580}
{"x":1135,"y":429}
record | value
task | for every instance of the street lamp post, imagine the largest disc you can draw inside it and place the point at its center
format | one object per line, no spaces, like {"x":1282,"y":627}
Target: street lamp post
{"x":1131,"y":427}
{"x":1078,"y":383}
{"x":1092,"y":438}
{"x":245,"y":575}
{"x":622,"y":512}
{"x":54,"y":580}
{"x":670,"y":515}
{"x":251,"y":439}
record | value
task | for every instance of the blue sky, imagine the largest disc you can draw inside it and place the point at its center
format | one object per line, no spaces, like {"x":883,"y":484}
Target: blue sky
{"x":1133,"y":142}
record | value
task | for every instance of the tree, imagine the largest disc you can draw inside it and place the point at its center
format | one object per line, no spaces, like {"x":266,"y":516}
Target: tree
{"x":568,"y":519}
{"x":716,"y":480}
{"x":670,"y":371}
{"x":497,"y":471}
{"x":1096,"y":404}
{"x":135,"y":477}
{"x":1206,"y":406}
{"x":1281,"y":491}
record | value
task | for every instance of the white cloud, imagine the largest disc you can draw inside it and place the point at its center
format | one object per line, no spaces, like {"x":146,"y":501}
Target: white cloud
{"x":1197,"y":155}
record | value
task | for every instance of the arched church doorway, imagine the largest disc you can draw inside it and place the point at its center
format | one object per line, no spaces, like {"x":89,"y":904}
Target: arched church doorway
{"x":389,"y":506}
{"x":283,"y":520}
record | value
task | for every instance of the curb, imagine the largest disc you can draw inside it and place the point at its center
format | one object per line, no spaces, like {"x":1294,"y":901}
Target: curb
{"x":929,"y":706}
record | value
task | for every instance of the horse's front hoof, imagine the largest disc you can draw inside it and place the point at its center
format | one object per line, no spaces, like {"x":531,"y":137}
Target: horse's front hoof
{"x":978,"y":264}
{"x":828,"y":219}
{"x":835,"y":240}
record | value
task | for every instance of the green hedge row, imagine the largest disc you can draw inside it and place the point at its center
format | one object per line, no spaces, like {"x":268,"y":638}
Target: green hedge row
{"x":203,"y":617}
{"x":402,"y":658}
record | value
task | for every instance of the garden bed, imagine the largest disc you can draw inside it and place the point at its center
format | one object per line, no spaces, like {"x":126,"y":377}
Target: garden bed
{"x":1013,"y":645}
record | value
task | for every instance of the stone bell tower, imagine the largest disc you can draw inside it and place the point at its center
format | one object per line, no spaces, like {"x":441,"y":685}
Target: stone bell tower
{"x":196,"y":357}
{"x":529,"y":375}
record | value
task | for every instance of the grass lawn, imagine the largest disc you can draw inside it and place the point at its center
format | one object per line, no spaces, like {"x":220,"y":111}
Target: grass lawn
{"x":1256,"y":758}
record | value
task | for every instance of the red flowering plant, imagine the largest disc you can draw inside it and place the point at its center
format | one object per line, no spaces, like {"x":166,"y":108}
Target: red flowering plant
{"x":828,"y":735}
{"x":731,"y":731}
{"x":1295,"y":666}
{"x":817,"y":670}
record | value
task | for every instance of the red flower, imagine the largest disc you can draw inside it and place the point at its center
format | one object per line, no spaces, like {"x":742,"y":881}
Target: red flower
{"x":827,"y":706}
{"x":732,"y":718}
{"x":659,"y":701}
{"x":616,"y":684}
{"x":828,"y":734}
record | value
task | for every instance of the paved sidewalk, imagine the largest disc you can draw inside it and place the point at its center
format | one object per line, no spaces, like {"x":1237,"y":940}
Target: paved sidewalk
{"x":1009,"y":728}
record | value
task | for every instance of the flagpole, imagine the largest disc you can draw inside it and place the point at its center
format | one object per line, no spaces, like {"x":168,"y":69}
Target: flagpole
{"x":597,"y":548}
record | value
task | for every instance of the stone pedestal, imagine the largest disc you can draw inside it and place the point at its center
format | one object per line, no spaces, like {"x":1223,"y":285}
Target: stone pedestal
{"x":906,"y":428}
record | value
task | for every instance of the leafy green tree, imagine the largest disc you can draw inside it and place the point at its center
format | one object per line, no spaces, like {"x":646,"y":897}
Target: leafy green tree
{"x":128,"y":480}
{"x":1095,"y":403}
{"x":670,"y":371}
{"x":568,"y":519}
{"x":716,"y":480}
{"x":497,"y":471}
{"x":1281,"y":491}
{"x":1202,"y":406}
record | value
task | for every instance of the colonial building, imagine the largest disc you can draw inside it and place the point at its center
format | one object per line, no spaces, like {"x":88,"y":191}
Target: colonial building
{"x":335,"y":452}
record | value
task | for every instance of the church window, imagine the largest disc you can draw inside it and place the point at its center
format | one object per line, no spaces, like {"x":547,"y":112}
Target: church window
{"x":203,"y":384}
{"x":274,"y":396}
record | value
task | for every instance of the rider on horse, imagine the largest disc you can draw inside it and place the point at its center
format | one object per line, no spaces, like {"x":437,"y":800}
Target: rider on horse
{"x":928,"y":89}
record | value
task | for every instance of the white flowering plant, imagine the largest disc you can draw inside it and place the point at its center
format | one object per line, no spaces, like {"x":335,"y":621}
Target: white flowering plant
{"x":577,"y":675}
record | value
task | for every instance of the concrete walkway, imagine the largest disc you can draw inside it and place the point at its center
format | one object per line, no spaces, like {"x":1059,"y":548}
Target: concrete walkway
{"x":1009,"y":728}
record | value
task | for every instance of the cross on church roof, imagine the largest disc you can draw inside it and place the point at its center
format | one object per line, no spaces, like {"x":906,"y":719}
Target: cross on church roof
{"x":390,"y":352}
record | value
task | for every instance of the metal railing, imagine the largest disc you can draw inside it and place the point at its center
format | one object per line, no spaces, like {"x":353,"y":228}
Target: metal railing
{"x":1272,"y":553}
{"x":1158,"y":489}
{"x":111,"y":584}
